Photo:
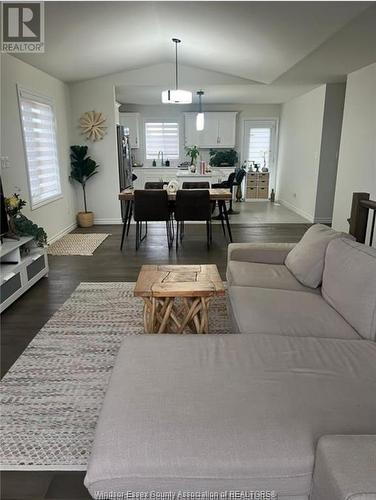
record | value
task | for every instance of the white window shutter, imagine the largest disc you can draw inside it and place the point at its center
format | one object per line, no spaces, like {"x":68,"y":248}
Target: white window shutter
{"x":39,"y":133}
{"x":259,"y":144}
{"x":162,"y":136}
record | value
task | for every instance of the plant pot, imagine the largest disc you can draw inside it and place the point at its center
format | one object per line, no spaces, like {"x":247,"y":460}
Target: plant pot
{"x":85,"y":219}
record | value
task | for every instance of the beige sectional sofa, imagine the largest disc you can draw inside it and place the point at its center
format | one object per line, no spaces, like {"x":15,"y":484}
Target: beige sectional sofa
{"x":246,"y":413}
{"x":265,"y":297}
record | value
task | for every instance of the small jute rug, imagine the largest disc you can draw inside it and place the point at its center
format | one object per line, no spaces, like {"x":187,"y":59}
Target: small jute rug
{"x":52,"y":395}
{"x":77,"y":244}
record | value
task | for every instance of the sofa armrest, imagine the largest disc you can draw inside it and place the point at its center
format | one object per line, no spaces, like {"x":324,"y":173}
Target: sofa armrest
{"x":345,"y":468}
{"x":264,"y":253}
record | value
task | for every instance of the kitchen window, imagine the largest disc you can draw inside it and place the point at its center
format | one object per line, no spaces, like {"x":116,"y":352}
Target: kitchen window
{"x":39,"y":135}
{"x":161,"y":137}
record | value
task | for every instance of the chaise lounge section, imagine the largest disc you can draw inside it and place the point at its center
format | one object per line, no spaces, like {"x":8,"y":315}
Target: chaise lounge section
{"x":223,"y":413}
{"x":228,"y":412}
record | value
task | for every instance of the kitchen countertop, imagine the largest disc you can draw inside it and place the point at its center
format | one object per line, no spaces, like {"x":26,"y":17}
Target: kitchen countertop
{"x":156,"y":168}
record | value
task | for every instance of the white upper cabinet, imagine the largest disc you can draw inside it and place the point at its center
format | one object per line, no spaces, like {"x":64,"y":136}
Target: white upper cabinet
{"x":191,"y":135}
{"x":209,"y":137}
{"x":219,"y":130}
{"x":226,"y":130}
{"x":132,"y":122}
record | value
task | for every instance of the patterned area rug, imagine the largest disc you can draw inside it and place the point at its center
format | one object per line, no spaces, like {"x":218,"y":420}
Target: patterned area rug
{"x":52,"y":395}
{"x":77,"y":244}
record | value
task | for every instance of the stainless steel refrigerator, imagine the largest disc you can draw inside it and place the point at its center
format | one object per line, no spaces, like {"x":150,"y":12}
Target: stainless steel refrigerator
{"x":125,"y":163}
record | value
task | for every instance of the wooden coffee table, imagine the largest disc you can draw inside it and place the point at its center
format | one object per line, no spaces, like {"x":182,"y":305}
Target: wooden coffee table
{"x":177,"y":297}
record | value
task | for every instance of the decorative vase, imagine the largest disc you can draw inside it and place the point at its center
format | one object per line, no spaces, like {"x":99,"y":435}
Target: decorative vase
{"x":12,"y":224}
{"x":85,"y":219}
{"x":192,"y":168}
{"x":172,"y":187}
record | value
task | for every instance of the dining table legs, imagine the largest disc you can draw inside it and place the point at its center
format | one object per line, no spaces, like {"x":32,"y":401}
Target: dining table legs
{"x":126,"y":221}
{"x":224,"y":215}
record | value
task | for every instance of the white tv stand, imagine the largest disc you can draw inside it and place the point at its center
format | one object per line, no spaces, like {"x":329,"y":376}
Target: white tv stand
{"x":21,"y":264}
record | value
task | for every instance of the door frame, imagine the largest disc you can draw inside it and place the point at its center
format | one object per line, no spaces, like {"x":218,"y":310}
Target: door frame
{"x":269,"y":121}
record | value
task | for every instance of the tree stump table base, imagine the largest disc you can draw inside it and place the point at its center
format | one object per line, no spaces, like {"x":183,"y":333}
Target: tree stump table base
{"x":176,"y":298}
{"x":173,"y":315}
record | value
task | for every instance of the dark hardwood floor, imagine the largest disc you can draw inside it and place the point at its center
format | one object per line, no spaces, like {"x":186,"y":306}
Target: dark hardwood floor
{"x":23,"y":319}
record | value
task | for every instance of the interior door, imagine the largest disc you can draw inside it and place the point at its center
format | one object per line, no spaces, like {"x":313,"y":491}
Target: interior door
{"x":260,"y":143}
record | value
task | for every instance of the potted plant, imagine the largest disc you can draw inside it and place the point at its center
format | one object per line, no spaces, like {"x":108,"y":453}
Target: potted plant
{"x":82,"y":168}
{"x":223,"y":157}
{"x":193,"y":153}
{"x":19,"y":224}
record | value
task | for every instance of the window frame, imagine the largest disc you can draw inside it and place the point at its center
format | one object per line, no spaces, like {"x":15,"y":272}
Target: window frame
{"x":163,"y":120}
{"x":24,"y":93}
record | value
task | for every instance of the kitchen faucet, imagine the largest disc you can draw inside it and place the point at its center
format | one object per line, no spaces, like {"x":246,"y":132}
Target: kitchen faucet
{"x":160,"y":153}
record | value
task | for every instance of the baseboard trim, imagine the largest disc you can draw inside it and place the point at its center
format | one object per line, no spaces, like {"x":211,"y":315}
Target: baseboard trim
{"x":297,"y":210}
{"x":62,"y":233}
{"x":107,"y":221}
{"x":323,"y":220}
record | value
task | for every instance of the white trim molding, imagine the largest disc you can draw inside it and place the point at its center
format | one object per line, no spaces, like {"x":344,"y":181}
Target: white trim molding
{"x":103,"y":222}
{"x":62,"y":233}
{"x":322,"y":220}
{"x":297,"y":210}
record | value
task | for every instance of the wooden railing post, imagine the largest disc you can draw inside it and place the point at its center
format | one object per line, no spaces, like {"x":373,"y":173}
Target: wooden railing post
{"x":359,"y":217}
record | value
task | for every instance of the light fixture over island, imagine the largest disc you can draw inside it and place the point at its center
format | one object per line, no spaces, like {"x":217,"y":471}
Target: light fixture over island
{"x":176,"y":96}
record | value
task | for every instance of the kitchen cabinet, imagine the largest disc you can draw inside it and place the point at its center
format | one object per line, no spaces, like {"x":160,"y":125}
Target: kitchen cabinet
{"x":191,"y":135}
{"x":257,"y":185}
{"x":219,"y":131}
{"x":132,"y":122}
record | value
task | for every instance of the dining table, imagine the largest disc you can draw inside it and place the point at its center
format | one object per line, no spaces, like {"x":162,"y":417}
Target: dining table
{"x":219,"y":195}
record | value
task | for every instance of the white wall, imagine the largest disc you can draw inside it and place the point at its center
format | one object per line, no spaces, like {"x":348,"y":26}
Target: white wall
{"x":299,"y":152}
{"x":58,"y":216}
{"x":103,"y":188}
{"x":357,"y":157}
{"x":245,"y":112}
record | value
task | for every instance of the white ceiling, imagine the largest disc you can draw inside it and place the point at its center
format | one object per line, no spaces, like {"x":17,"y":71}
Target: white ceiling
{"x":223,"y":94}
{"x":255,"y":43}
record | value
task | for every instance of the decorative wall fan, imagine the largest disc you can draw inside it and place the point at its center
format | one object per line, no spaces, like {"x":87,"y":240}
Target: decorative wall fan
{"x":92,"y":125}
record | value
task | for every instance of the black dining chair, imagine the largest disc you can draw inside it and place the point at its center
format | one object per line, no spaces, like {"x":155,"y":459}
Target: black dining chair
{"x":151,"y":205}
{"x":196,"y":185}
{"x":193,"y":205}
{"x":155,"y":185}
{"x":129,"y":209}
{"x":229,"y":184}
{"x":171,"y":204}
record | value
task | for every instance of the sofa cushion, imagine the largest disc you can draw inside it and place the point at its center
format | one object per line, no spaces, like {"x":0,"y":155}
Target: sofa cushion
{"x":349,"y":284}
{"x":228,"y":412}
{"x":264,"y":276}
{"x":306,"y":259}
{"x":286,"y":312}
{"x":264,"y":253}
{"x":345,"y":468}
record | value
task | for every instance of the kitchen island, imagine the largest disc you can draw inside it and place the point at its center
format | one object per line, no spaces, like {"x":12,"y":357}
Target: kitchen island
{"x":166,"y":174}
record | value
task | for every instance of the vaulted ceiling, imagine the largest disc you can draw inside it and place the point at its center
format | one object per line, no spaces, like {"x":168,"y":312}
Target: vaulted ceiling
{"x":263,"y":44}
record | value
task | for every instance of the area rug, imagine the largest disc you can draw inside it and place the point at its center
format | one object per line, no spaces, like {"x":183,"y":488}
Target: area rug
{"x":52,"y":395}
{"x":77,"y":244}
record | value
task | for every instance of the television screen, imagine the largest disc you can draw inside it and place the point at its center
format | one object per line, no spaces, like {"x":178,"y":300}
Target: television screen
{"x":4,"y":228}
